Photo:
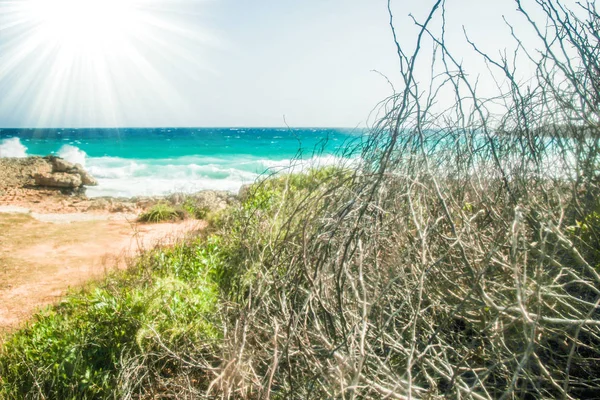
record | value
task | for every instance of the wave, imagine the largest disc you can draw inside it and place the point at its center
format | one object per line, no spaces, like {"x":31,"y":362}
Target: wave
{"x":115,"y":168}
{"x":131,"y":177}
{"x":12,"y":147}
{"x":128,"y":178}
{"x":72,"y":154}
{"x":122,"y":177}
{"x":156,"y":186}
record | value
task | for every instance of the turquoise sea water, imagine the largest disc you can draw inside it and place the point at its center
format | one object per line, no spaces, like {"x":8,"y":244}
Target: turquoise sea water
{"x":141,"y":161}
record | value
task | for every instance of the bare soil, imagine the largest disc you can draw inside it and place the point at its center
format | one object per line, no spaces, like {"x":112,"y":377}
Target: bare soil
{"x":40,"y":261}
{"x":53,"y":240}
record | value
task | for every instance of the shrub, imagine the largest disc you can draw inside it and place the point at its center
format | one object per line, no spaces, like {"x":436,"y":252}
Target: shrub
{"x":194,"y":209}
{"x":459,"y":262}
{"x":162,"y":212}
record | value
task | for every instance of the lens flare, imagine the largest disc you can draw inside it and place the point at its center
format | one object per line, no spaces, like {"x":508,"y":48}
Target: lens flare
{"x":82,"y":24}
{"x":93,"y":62}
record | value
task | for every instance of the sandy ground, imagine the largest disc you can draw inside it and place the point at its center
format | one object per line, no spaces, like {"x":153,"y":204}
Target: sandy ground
{"x":42,"y":255}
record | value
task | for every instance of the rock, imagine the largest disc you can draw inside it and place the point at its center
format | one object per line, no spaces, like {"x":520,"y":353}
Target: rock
{"x":145,"y":202}
{"x":99,"y":204}
{"x":212,"y":200}
{"x":58,"y":180}
{"x":60,"y":165}
{"x":86,"y":178}
{"x":122,"y":207}
{"x":17,"y":172}
{"x":176,"y":198}
{"x":43,"y":168}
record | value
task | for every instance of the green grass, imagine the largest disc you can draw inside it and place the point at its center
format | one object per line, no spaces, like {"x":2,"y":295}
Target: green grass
{"x":162,"y":212}
{"x":81,"y":348}
{"x":195,"y":210}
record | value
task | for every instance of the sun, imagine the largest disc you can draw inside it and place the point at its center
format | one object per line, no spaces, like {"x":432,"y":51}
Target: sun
{"x":85,"y":24}
{"x":97,"y":62}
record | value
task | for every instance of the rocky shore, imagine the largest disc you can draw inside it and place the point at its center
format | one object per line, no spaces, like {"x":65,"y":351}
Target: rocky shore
{"x":53,"y":185}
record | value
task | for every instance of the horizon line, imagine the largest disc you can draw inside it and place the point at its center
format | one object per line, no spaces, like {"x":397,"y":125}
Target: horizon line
{"x":185,"y":127}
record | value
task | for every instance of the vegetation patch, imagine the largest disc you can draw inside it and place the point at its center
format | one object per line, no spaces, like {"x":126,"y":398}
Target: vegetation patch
{"x":162,"y":212}
{"x":194,"y":209}
{"x":126,"y":335}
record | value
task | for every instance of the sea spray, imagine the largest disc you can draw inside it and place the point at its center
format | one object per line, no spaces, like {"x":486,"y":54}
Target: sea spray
{"x":72,"y":154}
{"x":12,"y":147}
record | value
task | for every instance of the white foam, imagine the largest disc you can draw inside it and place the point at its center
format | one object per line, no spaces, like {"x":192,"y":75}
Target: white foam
{"x":121,"y":177}
{"x":12,"y":147}
{"x":150,"y":186}
{"x":72,"y":154}
{"x":116,"y":170}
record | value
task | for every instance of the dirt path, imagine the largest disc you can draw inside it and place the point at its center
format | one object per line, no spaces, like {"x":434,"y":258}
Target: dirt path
{"x":40,"y":261}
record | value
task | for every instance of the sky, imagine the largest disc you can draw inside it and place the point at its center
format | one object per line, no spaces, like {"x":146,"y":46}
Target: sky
{"x":211,"y":63}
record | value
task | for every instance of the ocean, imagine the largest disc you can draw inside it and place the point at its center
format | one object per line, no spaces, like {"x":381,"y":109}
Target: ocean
{"x":160,"y":161}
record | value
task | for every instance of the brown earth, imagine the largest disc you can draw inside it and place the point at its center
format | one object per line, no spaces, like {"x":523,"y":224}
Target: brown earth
{"x":40,"y":261}
{"x":52,"y":240}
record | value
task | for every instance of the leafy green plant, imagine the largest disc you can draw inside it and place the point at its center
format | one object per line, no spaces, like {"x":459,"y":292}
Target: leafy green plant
{"x":195,"y":210}
{"x":162,"y":212}
{"x":164,"y":306}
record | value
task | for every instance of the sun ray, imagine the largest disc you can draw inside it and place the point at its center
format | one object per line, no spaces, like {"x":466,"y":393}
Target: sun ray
{"x":90,"y":58}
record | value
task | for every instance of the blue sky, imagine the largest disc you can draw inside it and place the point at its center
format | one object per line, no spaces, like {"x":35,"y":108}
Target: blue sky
{"x":209,"y":63}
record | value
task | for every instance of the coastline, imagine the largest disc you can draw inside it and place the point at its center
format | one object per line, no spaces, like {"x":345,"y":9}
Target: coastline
{"x":19,"y":190}
{"x":54,"y":240}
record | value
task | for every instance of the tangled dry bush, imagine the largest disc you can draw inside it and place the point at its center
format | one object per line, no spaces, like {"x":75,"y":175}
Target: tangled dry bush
{"x":460,"y":260}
